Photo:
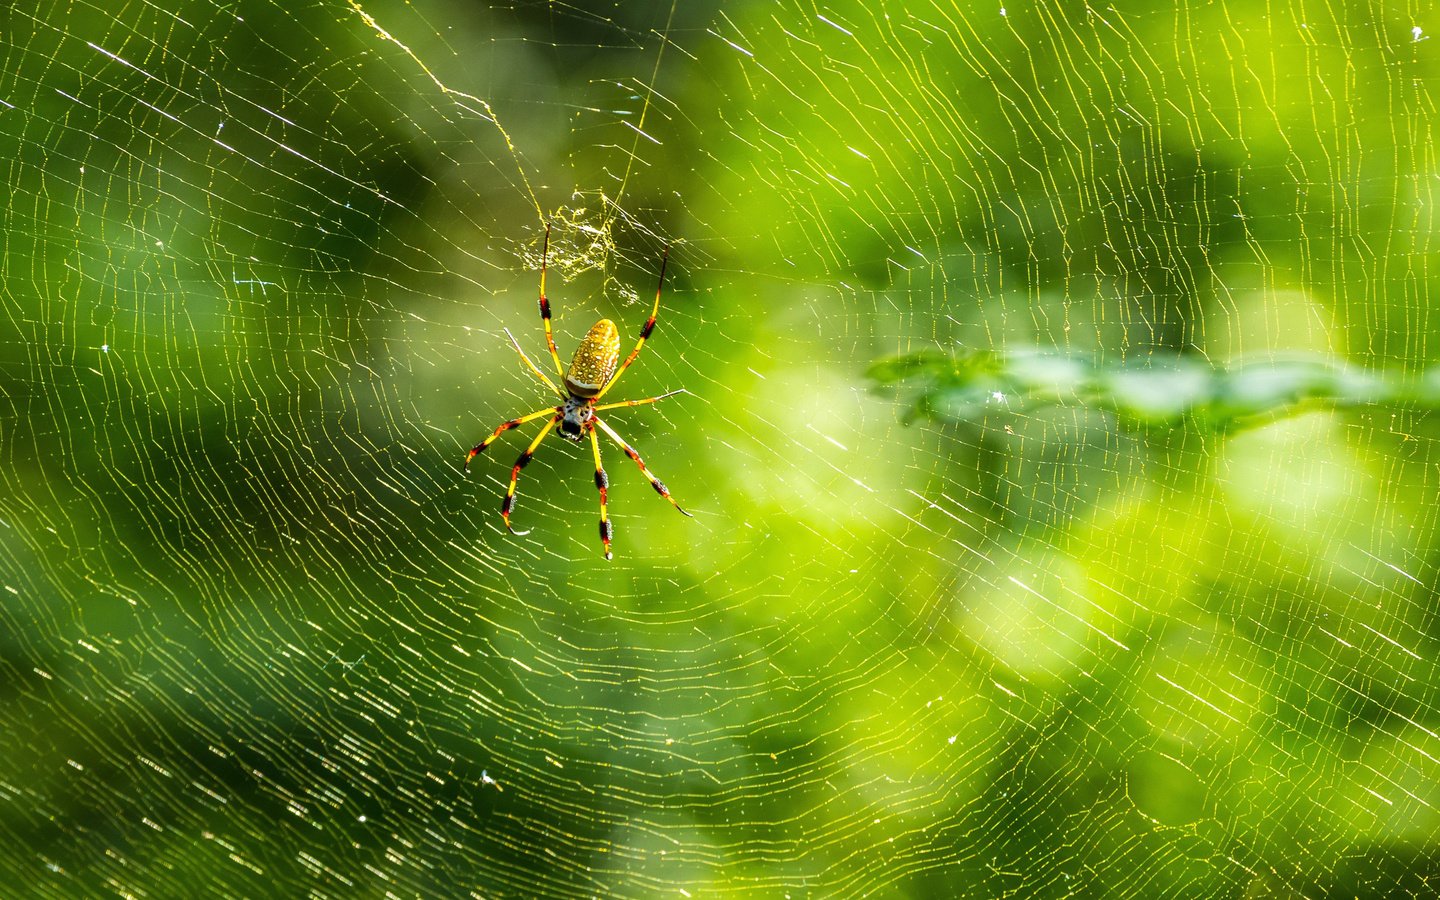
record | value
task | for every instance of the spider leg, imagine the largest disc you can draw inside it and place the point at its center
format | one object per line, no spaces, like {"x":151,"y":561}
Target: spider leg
{"x":533,"y":368}
{"x":645,"y":329}
{"x":640,"y":402}
{"x":602,"y":484}
{"x":656,"y":483}
{"x":521,"y":463}
{"x":545,"y":305}
{"x":504,"y":427}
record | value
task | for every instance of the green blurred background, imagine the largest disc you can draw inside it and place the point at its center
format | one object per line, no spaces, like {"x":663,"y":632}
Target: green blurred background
{"x":260,"y":635}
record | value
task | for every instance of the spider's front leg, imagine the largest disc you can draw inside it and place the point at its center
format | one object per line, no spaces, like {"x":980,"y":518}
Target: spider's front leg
{"x":522,"y":462}
{"x":656,"y":483}
{"x":504,"y":427}
{"x":602,"y":484}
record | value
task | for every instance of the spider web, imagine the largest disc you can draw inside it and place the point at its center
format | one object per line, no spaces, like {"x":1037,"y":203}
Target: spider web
{"x":259,"y":633}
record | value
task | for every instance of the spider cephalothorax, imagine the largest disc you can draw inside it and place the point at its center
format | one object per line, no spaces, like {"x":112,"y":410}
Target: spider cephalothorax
{"x":591,"y":374}
{"x":575,"y":418}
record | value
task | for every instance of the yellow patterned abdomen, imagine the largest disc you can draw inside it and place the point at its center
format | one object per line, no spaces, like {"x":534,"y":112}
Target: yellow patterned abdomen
{"x":594,"y":360}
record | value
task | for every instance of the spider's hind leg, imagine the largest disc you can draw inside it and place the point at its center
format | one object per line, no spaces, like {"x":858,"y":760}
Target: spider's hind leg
{"x":621,"y":403}
{"x":545,"y":305}
{"x":533,"y":368}
{"x":645,"y":330}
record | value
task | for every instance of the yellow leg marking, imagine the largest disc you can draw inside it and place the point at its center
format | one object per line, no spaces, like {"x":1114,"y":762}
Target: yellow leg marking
{"x":522,"y":462}
{"x":656,"y":483}
{"x":504,"y":427}
{"x":534,"y":368}
{"x":645,"y":329}
{"x":545,"y":305}
{"x":602,"y":484}
{"x":640,"y":402}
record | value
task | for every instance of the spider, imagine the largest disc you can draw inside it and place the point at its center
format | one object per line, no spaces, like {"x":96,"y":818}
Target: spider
{"x":591,"y":375}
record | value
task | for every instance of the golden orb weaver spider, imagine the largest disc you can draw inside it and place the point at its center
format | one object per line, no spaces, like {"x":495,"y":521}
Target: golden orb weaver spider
{"x":591,"y":375}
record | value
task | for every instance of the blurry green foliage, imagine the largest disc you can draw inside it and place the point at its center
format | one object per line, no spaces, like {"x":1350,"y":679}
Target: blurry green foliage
{"x":966,"y":386}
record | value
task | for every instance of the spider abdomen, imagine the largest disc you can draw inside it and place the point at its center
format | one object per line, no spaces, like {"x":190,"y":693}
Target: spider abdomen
{"x":594,"y":361}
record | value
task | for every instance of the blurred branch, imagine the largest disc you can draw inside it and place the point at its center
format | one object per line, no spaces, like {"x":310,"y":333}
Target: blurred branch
{"x":963,"y":387}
